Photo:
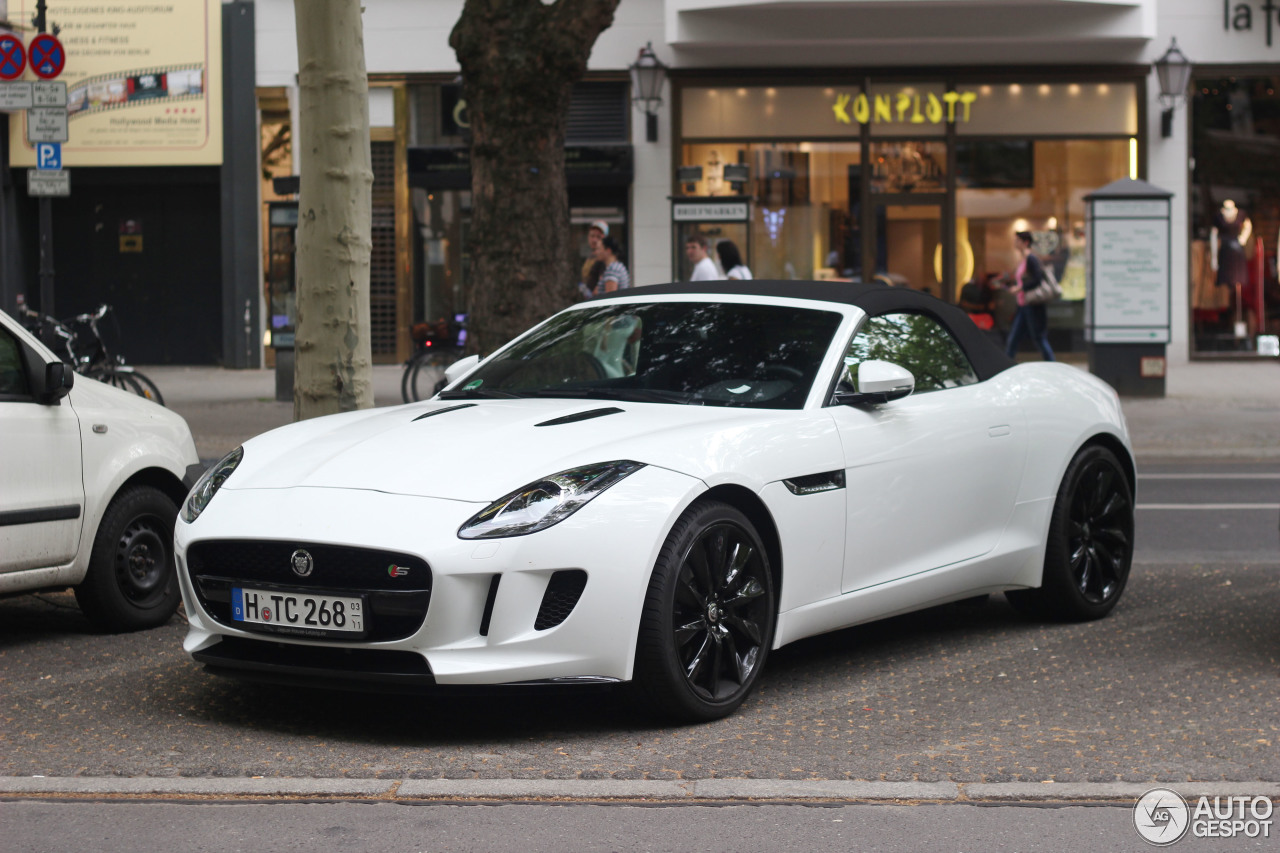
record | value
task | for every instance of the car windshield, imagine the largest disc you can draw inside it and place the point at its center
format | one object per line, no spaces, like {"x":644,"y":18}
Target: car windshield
{"x":714,"y":354}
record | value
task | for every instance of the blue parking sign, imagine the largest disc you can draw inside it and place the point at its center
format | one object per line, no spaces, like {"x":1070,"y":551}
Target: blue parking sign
{"x":48,"y":155}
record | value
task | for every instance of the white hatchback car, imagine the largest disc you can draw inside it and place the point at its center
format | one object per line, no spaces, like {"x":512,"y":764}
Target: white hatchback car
{"x":90,"y":482}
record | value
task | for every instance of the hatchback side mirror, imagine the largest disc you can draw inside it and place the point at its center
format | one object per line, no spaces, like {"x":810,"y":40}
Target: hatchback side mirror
{"x":58,"y":379}
{"x":876,"y":382}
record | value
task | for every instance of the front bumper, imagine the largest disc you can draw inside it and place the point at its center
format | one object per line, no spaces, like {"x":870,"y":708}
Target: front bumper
{"x":488,"y":614}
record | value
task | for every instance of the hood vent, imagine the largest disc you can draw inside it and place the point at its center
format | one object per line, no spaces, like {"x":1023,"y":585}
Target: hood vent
{"x":442,"y":411}
{"x":582,"y":416}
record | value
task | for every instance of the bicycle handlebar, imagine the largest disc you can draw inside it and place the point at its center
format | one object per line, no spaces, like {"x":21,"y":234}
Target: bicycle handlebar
{"x":95,"y":316}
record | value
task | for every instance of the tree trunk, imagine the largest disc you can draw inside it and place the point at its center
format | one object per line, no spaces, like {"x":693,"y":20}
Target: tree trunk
{"x":333,"y":368}
{"x":519,"y":61}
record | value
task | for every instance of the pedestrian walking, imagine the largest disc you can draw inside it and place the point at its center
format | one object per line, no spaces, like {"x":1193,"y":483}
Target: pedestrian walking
{"x":1030,"y":319}
{"x":731,"y":261}
{"x":695,"y":249}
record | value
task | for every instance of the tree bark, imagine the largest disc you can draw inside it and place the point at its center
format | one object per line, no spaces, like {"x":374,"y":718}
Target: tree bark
{"x":333,"y":358}
{"x":520,"y":59}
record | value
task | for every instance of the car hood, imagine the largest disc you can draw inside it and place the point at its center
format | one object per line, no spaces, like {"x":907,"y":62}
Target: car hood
{"x":480,"y":451}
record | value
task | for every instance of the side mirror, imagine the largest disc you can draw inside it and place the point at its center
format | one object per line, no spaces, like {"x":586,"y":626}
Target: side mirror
{"x":58,"y":379}
{"x":876,"y":382}
{"x":459,"y":368}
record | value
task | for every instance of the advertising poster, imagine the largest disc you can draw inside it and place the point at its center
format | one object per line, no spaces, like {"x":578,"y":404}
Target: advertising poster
{"x":144,"y":82}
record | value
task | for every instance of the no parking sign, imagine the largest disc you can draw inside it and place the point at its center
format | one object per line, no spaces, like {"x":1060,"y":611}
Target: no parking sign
{"x":13,"y":57}
{"x":47,"y":56}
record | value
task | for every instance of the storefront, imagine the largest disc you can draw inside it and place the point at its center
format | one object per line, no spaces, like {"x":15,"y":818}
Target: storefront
{"x":421,"y":201}
{"x":918,"y":182}
{"x":1235,"y":210}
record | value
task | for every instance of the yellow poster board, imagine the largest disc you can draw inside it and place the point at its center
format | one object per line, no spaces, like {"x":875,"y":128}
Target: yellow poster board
{"x":144,"y":82}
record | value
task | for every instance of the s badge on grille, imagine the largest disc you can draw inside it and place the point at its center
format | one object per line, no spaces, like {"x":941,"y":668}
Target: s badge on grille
{"x":302,"y":563}
{"x":397,"y":571}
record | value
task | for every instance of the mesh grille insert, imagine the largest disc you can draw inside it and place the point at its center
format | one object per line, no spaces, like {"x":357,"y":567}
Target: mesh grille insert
{"x":561,"y":597}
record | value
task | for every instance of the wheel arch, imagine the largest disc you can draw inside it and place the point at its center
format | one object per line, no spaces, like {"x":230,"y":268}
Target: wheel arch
{"x":1121,"y":452}
{"x":749,"y":504}
{"x":160,"y":479}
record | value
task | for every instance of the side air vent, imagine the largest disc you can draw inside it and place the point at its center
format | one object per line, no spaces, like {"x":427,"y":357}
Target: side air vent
{"x":487,"y":616}
{"x":582,"y":416}
{"x":561,"y":597}
{"x":442,"y":411}
{"x":812,"y":484}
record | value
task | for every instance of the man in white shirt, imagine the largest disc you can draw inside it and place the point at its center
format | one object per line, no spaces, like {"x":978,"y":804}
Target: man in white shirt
{"x":704,"y":269}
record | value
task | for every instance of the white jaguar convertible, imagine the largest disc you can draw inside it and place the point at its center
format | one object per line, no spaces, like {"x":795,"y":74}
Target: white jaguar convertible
{"x":659,"y":487}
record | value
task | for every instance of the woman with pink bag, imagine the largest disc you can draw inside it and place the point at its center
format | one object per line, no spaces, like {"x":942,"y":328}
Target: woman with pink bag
{"x":1031,"y":319}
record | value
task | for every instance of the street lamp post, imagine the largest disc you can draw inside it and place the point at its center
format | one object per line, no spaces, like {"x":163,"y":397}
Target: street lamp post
{"x":1173,"y":70}
{"x":647,"y":76}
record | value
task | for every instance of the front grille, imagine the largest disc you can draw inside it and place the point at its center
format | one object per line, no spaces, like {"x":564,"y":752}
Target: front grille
{"x":396,"y":587}
{"x":563,"y":592}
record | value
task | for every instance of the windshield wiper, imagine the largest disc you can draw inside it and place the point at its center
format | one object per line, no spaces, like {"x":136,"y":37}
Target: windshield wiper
{"x":632,"y":395}
{"x":479,"y":394}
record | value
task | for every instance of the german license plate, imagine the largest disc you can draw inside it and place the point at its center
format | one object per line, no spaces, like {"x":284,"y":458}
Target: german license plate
{"x":296,"y":610}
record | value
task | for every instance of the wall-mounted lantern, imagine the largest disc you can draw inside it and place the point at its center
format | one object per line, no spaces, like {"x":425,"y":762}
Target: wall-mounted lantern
{"x":647,"y":76}
{"x":1174,"y":72}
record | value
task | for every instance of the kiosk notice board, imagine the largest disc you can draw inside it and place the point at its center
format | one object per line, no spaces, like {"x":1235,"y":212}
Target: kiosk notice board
{"x":1127,"y":323}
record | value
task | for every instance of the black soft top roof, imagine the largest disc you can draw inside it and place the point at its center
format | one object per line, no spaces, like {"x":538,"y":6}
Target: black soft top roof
{"x":875,"y":299}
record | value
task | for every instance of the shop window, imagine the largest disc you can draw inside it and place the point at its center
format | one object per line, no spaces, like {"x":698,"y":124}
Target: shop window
{"x":1234,"y":292}
{"x":1039,"y":186}
{"x":908,"y":167}
{"x":805,"y":220}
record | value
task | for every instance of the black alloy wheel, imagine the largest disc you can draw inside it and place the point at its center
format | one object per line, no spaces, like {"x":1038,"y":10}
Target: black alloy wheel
{"x":1100,"y":532}
{"x":1090,"y":545}
{"x":709,"y":616}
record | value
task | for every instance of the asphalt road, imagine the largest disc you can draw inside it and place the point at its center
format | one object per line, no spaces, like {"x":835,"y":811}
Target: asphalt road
{"x":1178,"y":684}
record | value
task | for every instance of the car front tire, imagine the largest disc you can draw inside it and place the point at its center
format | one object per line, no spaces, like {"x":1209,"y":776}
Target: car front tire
{"x":132,"y":582}
{"x":708,"y":617}
{"x":1089,"y":550}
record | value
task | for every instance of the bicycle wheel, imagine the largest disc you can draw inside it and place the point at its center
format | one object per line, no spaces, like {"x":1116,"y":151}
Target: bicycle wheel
{"x":427,"y":375}
{"x":115,"y":379}
{"x":125,"y":381}
{"x":406,"y":378}
{"x":146,"y":388}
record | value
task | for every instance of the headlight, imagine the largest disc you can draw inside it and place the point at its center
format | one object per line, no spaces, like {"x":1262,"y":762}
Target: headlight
{"x":549,"y":501}
{"x":209,"y":483}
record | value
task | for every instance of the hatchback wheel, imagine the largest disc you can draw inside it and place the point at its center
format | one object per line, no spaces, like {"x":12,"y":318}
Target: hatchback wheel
{"x":132,"y":581}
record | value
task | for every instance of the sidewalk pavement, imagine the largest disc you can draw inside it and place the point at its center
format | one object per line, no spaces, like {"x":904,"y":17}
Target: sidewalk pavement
{"x":1211,"y":410}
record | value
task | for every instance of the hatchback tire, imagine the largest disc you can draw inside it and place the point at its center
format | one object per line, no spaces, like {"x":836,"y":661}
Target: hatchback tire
{"x":132,"y":582}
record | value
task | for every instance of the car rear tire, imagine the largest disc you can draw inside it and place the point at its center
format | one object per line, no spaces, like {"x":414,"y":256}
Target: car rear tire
{"x":132,"y":581}
{"x":1090,"y":546}
{"x":708,"y":617}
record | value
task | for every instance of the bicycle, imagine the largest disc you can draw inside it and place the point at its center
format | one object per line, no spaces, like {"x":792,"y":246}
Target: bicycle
{"x":435,"y":348}
{"x":87,"y":351}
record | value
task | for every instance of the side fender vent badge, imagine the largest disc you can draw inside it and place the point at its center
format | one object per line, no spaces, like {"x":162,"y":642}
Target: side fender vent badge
{"x":812,"y":484}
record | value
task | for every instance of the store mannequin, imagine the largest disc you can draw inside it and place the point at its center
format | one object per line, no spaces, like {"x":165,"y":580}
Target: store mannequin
{"x":1232,"y":230}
